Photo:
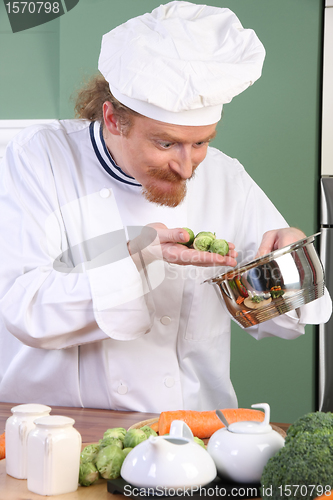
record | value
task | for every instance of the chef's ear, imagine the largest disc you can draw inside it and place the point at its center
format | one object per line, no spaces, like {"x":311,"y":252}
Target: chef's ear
{"x":110,"y":120}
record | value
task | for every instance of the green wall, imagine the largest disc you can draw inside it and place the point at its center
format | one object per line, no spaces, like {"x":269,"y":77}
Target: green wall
{"x":272,"y":128}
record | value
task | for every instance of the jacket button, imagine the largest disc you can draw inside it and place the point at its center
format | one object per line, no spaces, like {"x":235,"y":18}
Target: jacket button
{"x":122,"y":389}
{"x":169,"y":381}
{"x":104,"y":193}
{"x":165,"y":320}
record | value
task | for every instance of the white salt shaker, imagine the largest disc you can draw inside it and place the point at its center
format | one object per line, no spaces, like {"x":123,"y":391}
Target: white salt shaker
{"x":17,"y":429}
{"x":54,"y":449}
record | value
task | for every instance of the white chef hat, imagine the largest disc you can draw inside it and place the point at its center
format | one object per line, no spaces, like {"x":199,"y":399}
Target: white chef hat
{"x":181,"y":63}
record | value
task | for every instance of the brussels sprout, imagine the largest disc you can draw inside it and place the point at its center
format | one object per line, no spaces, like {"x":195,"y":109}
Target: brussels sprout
{"x":89,"y":453}
{"x":116,"y":432}
{"x":126,"y":451}
{"x":134,"y":437}
{"x":199,"y":441}
{"x":206,"y":233}
{"x":219,"y":246}
{"x":88,"y":474}
{"x":106,"y":441}
{"x":148,"y":431}
{"x":190,"y":241}
{"x":202,"y":243}
{"x":109,"y":461}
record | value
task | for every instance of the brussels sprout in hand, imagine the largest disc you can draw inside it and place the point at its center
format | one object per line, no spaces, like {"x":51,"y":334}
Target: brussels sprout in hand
{"x":88,"y":474}
{"x":219,"y":246}
{"x":206,"y":233}
{"x":203,"y":242}
{"x":134,"y":437}
{"x":191,"y":234}
{"x":166,"y":246}
{"x":89,"y":453}
{"x":109,"y":461}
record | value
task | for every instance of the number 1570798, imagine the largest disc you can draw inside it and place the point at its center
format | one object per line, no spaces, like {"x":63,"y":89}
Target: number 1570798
{"x":33,"y":7}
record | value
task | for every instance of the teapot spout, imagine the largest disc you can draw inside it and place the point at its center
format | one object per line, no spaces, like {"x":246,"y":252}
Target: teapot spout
{"x":154,"y":440}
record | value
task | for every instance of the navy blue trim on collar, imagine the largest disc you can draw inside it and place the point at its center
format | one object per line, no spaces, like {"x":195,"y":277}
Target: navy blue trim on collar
{"x":107,"y":152}
{"x":108,"y":168}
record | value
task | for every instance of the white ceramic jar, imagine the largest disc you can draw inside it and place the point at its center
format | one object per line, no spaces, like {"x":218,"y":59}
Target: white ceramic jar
{"x":54,"y":448}
{"x":17,"y":429}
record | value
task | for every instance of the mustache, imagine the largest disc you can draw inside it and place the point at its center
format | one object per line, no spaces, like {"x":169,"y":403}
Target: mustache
{"x":168,"y":175}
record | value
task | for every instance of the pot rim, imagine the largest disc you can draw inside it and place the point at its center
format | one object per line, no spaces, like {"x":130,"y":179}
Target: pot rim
{"x":232,"y":273}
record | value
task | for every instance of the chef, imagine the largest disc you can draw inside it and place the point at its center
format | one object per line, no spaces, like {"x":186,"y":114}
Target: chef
{"x":101,"y":304}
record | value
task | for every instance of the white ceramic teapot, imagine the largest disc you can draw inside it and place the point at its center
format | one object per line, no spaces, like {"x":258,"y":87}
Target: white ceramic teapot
{"x":242,"y":450}
{"x":169,"y":462}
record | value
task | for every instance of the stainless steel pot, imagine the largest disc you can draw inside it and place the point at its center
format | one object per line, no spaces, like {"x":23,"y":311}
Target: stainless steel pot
{"x":274,"y":284}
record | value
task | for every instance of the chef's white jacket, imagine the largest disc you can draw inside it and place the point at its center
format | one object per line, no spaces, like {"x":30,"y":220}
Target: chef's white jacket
{"x":80,"y":325}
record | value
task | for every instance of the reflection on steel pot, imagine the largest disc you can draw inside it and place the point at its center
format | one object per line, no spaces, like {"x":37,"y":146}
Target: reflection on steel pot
{"x":274,"y":284}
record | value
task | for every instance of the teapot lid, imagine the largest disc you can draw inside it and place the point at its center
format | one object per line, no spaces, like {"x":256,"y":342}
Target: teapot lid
{"x":253,"y":427}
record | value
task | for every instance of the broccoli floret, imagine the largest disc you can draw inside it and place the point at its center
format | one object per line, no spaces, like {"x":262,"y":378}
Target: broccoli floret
{"x":317,"y":422}
{"x":304,"y":466}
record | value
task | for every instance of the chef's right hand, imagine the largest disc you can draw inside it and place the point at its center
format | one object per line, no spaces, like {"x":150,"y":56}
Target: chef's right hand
{"x":157,"y":241}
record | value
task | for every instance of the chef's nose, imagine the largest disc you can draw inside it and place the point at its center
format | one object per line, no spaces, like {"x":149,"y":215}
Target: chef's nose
{"x":183,"y":162}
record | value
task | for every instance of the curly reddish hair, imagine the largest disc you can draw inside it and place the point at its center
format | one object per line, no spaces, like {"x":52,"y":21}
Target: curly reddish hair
{"x":90,"y":99}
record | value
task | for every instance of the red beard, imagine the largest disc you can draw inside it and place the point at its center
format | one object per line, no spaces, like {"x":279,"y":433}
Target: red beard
{"x":173,"y":192}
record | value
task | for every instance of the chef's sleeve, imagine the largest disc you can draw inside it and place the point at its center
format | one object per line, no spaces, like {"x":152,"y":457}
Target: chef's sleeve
{"x":259,"y":216}
{"x":41,"y":304}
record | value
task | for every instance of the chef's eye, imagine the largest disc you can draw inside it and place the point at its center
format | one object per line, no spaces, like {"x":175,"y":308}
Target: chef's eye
{"x":165,"y":144}
{"x":200,"y":144}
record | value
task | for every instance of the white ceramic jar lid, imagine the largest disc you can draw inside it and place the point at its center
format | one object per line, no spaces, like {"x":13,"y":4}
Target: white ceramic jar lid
{"x":54,"y":421}
{"x":31,"y":408}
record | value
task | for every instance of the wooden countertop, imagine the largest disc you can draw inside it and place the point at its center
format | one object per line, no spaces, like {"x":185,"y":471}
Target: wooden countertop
{"x":91,"y":423}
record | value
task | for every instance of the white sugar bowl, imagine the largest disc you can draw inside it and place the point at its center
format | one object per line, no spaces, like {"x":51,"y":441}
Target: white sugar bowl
{"x":169,"y":462}
{"x":242,"y":450}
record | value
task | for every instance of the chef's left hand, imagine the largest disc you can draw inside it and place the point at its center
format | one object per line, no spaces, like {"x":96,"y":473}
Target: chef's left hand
{"x":279,"y":238}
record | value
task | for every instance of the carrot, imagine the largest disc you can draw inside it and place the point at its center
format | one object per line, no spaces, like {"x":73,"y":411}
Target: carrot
{"x":2,"y":446}
{"x":154,"y":426}
{"x":203,"y":424}
{"x":324,"y":496}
